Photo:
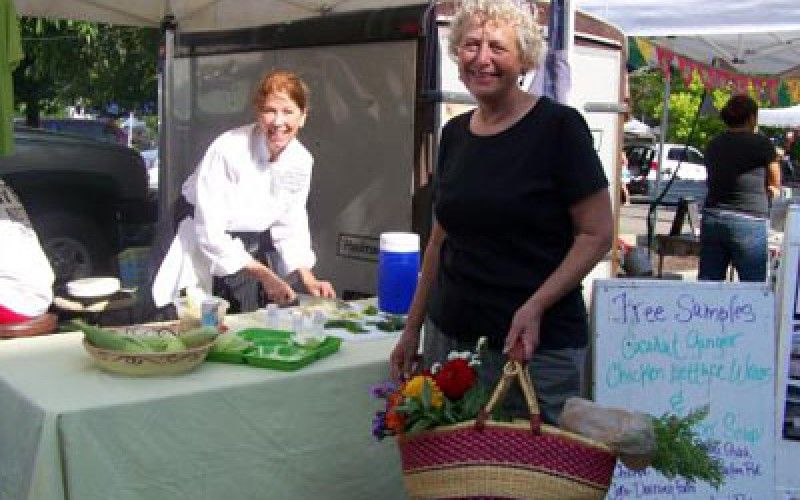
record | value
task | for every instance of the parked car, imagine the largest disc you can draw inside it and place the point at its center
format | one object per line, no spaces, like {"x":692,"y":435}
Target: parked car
{"x":690,"y":181}
{"x":645,"y":158}
{"x":99,"y":129}
{"x":87,"y":200}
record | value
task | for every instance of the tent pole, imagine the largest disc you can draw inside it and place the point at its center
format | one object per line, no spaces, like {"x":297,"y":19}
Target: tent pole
{"x":165,"y":227}
{"x":569,"y":39}
{"x":662,"y":139}
{"x":166,"y":180}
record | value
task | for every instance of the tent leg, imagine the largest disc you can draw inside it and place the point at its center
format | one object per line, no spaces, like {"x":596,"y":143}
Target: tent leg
{"x":652,"y":217}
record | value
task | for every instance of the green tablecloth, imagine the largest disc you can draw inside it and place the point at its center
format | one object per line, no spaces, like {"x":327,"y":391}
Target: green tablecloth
{"x":69,"y":430}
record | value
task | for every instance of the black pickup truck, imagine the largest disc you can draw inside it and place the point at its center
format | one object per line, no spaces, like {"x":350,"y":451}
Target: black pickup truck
{"x":86,"y":199}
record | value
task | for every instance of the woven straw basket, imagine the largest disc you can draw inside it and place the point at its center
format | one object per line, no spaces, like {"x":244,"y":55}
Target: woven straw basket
{"x":523,"y":459}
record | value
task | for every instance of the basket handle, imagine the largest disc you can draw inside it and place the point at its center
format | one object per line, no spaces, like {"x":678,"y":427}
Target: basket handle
{"x":513,"y":370}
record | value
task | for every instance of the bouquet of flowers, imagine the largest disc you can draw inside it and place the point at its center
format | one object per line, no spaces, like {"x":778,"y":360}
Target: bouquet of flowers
{"x":447,"y":394}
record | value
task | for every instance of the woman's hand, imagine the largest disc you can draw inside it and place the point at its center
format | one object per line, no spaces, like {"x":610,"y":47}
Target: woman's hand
{"x":523,"y":336}
{"x":313,"y":286}
{"x":319,"y":288}
{"x":278,"y":290}
{"x":403,"y":358}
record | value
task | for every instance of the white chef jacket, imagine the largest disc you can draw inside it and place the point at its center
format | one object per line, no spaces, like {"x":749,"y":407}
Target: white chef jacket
{"x":237,"y":188}
{"x":26,"y":278}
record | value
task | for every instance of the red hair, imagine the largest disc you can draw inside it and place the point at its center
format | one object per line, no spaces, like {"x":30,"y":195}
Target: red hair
{"x":282,"y":81}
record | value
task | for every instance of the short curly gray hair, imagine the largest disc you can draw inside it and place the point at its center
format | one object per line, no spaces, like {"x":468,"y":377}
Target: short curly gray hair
{"x":516,"y":13}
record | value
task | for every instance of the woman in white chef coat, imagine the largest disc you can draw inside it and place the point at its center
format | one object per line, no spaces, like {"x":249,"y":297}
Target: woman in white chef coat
{"x":247,"y":207}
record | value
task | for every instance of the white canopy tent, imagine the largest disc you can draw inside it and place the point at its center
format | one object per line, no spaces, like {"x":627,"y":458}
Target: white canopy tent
{"x":780,"y":117}
{"x":197,"y":15}
{"x":752,"y":36}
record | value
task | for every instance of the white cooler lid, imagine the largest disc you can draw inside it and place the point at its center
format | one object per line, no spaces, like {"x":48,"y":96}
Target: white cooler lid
{"x":399,"y":242}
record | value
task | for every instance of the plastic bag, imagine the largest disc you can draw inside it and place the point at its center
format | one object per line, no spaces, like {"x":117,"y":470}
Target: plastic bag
{"x":629,"y":434}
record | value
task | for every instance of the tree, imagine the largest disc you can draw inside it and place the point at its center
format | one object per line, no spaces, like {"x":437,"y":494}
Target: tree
{"x":77,"y":62}
{"x":646,"y":93}
{"x":686,"y":108}
{"x":647,"y":101}
{"x":647,"y":96}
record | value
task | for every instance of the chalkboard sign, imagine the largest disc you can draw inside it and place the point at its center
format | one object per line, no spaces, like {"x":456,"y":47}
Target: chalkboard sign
{"x":669,"y":347}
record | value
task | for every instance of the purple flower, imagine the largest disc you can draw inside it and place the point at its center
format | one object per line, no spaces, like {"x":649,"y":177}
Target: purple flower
{"x":382,"y":391}
{"x":379,"y":430}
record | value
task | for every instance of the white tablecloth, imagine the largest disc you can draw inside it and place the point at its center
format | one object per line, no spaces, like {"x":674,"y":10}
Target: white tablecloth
{"x":221,"y":432}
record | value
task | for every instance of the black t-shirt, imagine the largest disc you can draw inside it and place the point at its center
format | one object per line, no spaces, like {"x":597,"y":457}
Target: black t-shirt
{"x":737,"y":167}
{"x":503,"y":201}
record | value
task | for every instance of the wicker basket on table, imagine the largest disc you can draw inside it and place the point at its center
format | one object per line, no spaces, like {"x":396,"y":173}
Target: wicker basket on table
{"x":482,"y":458}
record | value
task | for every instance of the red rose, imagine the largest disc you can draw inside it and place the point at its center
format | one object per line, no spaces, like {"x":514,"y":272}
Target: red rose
{"x":455,"y":378}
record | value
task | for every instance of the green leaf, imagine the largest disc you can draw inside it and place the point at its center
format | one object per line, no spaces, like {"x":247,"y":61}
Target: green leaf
{"x":403,"y":408}
{"x":473,"y":400}
{"x":420,"y":425}
{"x":448,"y":412}
{"x":679,"y":451}
{"x":500,"y":415}
{"x":427,"y":395}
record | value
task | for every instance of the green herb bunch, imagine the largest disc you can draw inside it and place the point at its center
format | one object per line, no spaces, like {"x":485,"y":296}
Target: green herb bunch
{"x":680,"y":452}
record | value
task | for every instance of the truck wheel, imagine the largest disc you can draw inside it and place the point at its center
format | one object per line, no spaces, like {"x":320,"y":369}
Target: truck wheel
{"x":74,"y":245}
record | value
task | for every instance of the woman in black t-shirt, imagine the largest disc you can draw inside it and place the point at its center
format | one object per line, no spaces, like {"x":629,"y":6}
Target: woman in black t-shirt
{"x":522,"y":211}
{"x":743,"y":176}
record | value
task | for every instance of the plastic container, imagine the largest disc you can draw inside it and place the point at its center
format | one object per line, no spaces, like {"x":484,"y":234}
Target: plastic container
{"x":191,"y":316}
{"x":133,"y":266}
{"x":398,"y":271}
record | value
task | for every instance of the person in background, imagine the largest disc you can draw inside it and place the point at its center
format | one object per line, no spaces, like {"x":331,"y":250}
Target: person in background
{"x":523,"y":213}
{"x":26,"y":278}
{"x":743,"y":177}
{"x":792,"y":150}
{"x":625,"y":179}
{"x":246,"y":222}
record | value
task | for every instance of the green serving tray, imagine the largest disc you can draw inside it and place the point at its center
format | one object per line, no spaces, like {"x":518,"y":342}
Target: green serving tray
{"x":259,"y":336}
{"x":273,"y":349}
{"x":265,"y":335}
{"x":234,"y":358}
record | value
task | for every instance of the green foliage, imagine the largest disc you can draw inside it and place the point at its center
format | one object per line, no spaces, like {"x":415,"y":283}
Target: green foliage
{"x":647,"y":103}
{"x":646,"y":93}
{"x":78,"y":62}
{"x":679,"y":452}
{"x":350,"y":325}
{"x":392,"y":323}
{"x":647,"y":96}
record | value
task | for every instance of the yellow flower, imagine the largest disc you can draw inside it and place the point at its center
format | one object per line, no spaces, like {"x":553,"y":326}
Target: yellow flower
{"x":413,"y":389}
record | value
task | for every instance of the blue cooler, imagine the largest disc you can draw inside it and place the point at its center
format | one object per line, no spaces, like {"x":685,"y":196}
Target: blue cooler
{"x":398,"y":269}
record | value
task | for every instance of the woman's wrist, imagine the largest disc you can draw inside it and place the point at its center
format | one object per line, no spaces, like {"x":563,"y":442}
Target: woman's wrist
{"x":261,"y":272}
{"x":306,"y":278}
